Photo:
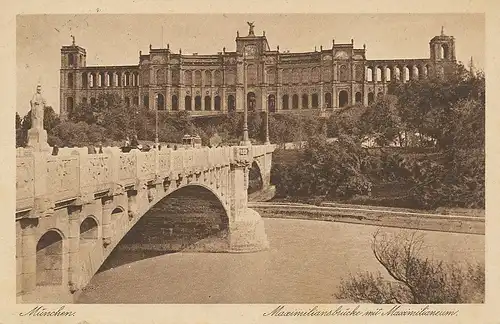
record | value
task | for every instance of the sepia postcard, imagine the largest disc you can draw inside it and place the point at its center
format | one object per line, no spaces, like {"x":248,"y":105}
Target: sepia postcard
{"x":253,"y":162}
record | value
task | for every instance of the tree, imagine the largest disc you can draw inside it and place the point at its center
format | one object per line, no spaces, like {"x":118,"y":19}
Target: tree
{"x":414,"y":279}
{"x":334,"y":170}
{"x":382,"y":122}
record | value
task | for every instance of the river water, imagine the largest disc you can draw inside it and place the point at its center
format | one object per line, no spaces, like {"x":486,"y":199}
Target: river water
{"x":304,"y":264}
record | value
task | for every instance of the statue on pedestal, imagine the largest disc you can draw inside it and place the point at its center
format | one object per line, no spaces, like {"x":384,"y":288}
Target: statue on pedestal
{"x":37,"y":104}
{"x":37,"y":136}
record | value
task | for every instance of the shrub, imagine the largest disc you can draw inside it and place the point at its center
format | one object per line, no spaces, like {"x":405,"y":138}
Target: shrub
{"x":414,"y":279}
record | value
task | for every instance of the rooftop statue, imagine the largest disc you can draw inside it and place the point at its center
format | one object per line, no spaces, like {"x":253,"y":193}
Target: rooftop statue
{"x":251,"y":27}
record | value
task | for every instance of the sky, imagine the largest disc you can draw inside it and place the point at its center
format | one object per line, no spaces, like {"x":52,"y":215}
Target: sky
{"x":117,"y":39}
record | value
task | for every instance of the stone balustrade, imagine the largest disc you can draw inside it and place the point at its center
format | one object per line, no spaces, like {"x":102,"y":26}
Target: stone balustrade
{"x":74,"y":172}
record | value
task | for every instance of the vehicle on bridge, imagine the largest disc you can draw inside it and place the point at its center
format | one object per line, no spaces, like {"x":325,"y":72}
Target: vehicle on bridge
{"x":189,"y":141}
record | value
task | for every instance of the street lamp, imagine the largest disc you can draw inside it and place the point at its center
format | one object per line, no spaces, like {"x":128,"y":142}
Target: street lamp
{"x":156,"y":118}
{"x":246,"y":140}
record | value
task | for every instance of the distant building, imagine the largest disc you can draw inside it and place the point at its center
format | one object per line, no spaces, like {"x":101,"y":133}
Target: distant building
{"x":317,"y":81}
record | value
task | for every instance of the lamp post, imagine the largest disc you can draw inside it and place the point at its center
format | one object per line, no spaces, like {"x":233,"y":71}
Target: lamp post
{"x":246,"y":140}
{"x":267,"y":126}
{"x":156,"y":119}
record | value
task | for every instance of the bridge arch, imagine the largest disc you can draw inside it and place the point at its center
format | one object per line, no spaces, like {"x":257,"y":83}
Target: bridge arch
{"x":255,"y":177}
{"x":179,"y":220}
{"x":50,"y":251}
{"x":89,"y":230}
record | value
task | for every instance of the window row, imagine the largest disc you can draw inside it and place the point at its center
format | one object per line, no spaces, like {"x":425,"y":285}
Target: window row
{"x":395,"y":73}
{"x":104,"y":79}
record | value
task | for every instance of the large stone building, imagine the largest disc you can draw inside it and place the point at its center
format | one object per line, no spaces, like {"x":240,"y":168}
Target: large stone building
{"x":320,"y":81}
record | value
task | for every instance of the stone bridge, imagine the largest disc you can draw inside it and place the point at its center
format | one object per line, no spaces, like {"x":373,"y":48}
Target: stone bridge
{"x":73,"y":209}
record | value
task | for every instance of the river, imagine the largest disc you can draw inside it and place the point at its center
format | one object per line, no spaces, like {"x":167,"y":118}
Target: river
{"x":304,"y":264}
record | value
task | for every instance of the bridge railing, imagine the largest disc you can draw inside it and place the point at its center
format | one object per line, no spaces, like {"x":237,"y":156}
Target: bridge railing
{"x":74,"y":172}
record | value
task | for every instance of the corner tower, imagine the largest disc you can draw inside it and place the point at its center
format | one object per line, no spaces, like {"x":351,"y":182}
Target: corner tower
{"x":73,"y":58}
{"x":442,"y":48}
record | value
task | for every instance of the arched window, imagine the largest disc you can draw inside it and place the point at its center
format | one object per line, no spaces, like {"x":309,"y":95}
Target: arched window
{"x":231,"y":104}
{"x":127,"y":79}
{"x":415,"y":75}
{"x":160,"y":102}
{"x":85,"y":80}
{"x":69,"y":105}
{"x":135,"y":101}
{"x":370,"y":97}
{"x":425,"y":71}
{"x":84,"y":100}
{"x":188,"y":77}
{"x":175,"y":103}
{"x":358,"y":97}
{"x":93,"y":101}
{"x":343,"y":73}
{"x":136,"y":79}
{"x":127,"y":101}
{"x":218,"y":78}
{"x":369,"y":74}
{"x":187,"y":103}
{"x":379,"y":74}
{"x":295,"y":101}
{"x":387,"y":74}
{"x":343,"y":98}
{"x":145,"y":101}
{"x":397,"y":73}
{"x":70,"y":80}
{"x":305,"y":101}
{"x":208,"y":103}
{"x":197,"y":102}
{"x":116,"y":79}
{"x":406,"y":72}
{"x":444,"y":51}
{"x":107,"y":81}
{"x":284,"y":104}
{"x":49,"y":259}
{"x":315,"y":101}
{"x":252,"y":74}
{"x":208,"y":78}
{"x":271,"y":103}
{"x":102,"y":79}
{"x":217,"y":103}
{"x":197,"y":79}
{"x":251,"y":101}
{"x":92,"y":80}
{"x":328,"y":100}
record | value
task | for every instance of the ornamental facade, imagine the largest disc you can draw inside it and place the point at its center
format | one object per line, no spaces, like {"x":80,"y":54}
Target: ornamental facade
{"x":270,"y":80}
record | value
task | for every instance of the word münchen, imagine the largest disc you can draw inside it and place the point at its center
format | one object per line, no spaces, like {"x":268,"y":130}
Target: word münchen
{"x":270,"y":80}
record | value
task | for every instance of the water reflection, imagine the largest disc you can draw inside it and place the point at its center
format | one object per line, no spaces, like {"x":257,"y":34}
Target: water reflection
{"x":305,"y":263}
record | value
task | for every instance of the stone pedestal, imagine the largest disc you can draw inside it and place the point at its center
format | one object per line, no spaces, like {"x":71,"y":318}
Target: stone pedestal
{"x":37,"y":140}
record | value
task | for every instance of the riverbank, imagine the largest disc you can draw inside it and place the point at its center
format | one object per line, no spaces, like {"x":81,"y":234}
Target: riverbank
{"x":369,"y":215}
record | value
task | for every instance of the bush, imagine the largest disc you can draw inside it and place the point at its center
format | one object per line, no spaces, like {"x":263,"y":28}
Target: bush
{"x":414,"y":279}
